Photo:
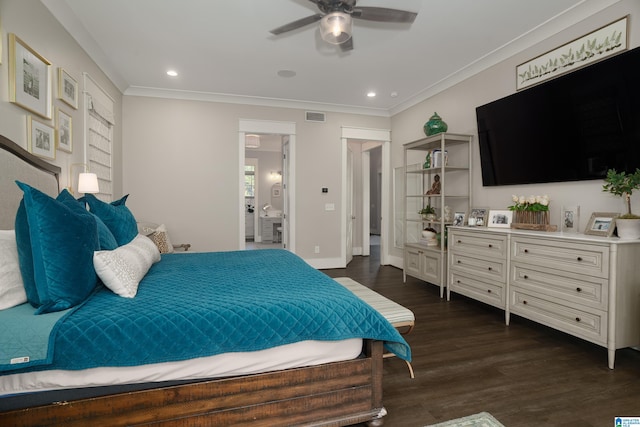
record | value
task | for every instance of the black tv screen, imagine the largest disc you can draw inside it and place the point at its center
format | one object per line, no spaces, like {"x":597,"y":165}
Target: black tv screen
{"x":571,"y":128}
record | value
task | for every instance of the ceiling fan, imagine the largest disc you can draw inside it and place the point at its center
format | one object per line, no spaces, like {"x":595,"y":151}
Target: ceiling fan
{"x":336,"y":20}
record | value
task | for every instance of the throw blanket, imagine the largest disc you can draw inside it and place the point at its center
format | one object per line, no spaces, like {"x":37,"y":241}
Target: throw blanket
{"x":200,"y":304}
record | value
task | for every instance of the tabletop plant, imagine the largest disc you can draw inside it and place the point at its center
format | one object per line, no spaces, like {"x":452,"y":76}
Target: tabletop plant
{"x":622,"y":184}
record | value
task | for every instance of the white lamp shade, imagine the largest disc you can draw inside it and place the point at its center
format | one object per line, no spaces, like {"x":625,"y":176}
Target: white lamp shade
{"x":252,"y":141}
{"x":88,"y":183}
{"x":335,"y":27}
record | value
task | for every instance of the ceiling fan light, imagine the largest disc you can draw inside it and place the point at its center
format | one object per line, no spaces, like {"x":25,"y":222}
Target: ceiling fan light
{"x":335,"y":27}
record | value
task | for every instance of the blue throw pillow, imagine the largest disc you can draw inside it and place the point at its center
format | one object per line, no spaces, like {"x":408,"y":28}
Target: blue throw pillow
{"x":25,"y":259}
{"x":117,"y":217}
{"x":106,"y":238}
{"x":63,"y":240}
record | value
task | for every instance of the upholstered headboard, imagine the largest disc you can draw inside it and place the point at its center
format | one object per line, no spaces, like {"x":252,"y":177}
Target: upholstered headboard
{"x":18,"y":164}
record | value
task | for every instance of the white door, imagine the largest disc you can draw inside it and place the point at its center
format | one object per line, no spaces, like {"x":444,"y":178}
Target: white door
{"x":349,"y":210}
{"x":285,"y":191}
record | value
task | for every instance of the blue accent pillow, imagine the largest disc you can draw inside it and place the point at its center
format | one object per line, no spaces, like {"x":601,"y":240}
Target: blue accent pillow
{"x":25,"y":259}
{"x":63,"y":240}
{"x":105,"y":237}
{"x":117,"y":217}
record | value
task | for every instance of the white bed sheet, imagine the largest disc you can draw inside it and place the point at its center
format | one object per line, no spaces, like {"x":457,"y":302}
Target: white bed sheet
{"x":304,"y":353}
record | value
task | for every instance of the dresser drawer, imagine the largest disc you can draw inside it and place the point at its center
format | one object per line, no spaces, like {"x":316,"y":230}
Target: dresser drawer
{"x":484,"y":243}
{"x":588,"y":290}
{"x":588,"y":324}
{"x":490,"y":293}
{"x":488,"y":268}
{"x":575,"y":257}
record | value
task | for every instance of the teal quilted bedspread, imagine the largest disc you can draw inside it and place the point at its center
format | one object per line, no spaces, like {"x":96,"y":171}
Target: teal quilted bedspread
{"x":201,"y":304}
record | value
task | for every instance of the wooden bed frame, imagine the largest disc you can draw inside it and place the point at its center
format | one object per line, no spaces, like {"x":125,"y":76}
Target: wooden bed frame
{"x":332,"y":394}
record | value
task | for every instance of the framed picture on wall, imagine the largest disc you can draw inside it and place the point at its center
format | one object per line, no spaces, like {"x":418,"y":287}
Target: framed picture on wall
{"x":41,"y":138}
{"x":67,"y":88}
{"x":29,"y":78}
{"x":64,"y":132}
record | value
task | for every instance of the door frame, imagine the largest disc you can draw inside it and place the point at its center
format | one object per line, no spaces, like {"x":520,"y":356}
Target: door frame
{"x":379,"y":135}
{"x":246,"y":126}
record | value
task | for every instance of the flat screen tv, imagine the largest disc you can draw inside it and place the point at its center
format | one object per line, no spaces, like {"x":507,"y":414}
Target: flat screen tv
{"x":571,"y":128}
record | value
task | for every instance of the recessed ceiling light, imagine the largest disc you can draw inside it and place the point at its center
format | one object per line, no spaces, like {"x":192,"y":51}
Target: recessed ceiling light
{"x":172,"y":73}
{"x":371,"y":94}
{"x":394,"y":94}
{"x":287,"y":73}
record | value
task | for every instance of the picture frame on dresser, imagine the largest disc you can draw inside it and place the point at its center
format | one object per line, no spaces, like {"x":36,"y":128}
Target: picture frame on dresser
{"x":458,"y":218}
{"x":478,"y":216}
{"x":500,"y":219}
{"x":570,"y":219}
{"x":601,"y":224}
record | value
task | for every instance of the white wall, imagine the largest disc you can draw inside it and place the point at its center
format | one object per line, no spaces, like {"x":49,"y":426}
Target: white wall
{"x":35,"y":26}
{"x":457,"y":105}
{"x":180,"y":166}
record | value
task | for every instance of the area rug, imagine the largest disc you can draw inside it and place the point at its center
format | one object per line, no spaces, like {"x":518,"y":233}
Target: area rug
{"x":483,"y":419}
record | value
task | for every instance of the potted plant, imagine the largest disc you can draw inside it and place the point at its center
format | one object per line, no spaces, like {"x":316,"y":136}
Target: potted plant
{"x":622,"y":184}
{"x":428,"y":213}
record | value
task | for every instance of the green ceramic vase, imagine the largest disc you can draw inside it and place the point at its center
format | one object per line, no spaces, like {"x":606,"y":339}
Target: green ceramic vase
{"x":435,"y":125}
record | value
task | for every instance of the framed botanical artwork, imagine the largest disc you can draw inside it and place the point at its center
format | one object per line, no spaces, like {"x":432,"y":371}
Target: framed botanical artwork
{"x":478,"y":216}
{"x":64,"y":134}
{"x":500,"y":218}
{"x":41,"y":138}
{"x":67,"y":88}
{"x":595,"y":46}
{"x":570,"y":219}
{"x":458,"y":218}
{"x":29,"y":78}
{"x":601,"y":224}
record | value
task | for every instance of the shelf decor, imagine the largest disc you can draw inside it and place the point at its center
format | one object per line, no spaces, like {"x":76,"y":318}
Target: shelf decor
{"x":531,"y":213}
{"x":597,"y":45}
{"x":435,"y":125}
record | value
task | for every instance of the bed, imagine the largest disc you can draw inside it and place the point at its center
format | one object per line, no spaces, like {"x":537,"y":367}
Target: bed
{"x":249,"y":338}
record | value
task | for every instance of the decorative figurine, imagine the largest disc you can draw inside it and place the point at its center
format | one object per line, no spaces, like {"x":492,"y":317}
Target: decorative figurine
{"x":435,"y":125}
{"x":435,"y":188}
{"x":448,"y":215}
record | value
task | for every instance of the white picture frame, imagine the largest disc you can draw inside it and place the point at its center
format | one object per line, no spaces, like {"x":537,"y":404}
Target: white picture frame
{"x":601,"y":224}
{"x":500,"y":219}
{"x":67,"y":88}
{"x":458,"y":218}
{"x":570,"y":219}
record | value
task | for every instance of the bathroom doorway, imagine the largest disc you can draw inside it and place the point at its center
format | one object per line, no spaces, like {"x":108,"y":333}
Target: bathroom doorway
{"x":272,"y":202}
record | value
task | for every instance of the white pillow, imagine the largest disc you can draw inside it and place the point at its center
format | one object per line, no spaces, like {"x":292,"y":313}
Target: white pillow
{"x":11,"y":286}
{"x":122,"y":269}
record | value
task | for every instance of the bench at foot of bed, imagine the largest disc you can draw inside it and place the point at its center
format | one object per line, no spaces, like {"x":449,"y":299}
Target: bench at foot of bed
{"x":400,"y":317}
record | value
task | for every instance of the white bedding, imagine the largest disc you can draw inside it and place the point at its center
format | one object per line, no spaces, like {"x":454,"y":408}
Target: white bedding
{"x":304,"y":353}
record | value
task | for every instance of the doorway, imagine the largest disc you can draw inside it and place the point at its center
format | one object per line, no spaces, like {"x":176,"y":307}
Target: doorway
{"x":273,"y":203}
{"x":368,"y":139}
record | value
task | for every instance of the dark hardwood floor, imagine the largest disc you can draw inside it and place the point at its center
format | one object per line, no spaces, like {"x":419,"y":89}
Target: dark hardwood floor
{"x":466,"y":360}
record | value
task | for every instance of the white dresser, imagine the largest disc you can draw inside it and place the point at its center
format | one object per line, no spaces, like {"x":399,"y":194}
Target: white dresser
{"x":586,"y":286}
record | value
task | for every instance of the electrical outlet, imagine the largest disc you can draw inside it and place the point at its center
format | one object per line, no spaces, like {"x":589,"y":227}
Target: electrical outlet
{"x":317,"y":249}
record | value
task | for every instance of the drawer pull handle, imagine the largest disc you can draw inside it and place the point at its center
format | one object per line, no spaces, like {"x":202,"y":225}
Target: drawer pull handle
{"x":578,"y":289}
{"x":457,"y":281}
{"x":577,"y":319}
{"x":459,"y":262}
{"x":489,"y":269}
{"x":489,"y":290}
{"x":459,"y":241}
{"x":525,"y":276}
{"x":524,"y":302}
{"x":526,"y":251}
{"x":579,"y":258}
{"x":490,"y":245}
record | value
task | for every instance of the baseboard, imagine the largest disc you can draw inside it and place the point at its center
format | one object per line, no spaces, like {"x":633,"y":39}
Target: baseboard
{"x":325,"y":263}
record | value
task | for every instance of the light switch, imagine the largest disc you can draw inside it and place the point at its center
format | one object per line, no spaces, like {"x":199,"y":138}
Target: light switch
{"x":329,"y":207}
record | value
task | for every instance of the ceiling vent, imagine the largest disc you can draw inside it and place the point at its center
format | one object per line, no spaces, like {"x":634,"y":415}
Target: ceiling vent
{"x":315,"y":116}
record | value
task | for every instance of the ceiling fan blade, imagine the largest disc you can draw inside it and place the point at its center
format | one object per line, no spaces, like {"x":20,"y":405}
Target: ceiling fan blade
{"x":383,"y":14}
{"x":347,"y":46}
{"x":296,"y":24}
